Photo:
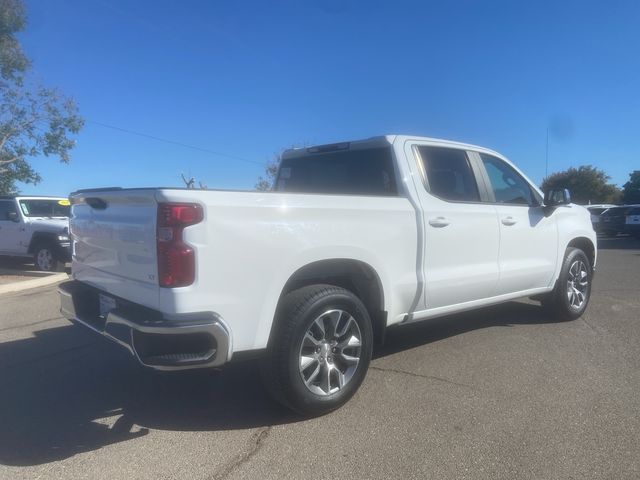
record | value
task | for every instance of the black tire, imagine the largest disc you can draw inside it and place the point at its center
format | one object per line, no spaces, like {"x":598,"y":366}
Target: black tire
{"x":298,"y":313}
{"x":46,"y":259}
{"x":559,"y":303}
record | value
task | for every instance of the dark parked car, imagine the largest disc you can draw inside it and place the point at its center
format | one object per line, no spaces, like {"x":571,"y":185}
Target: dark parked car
{"x":612,"y":221}
{"x":596,"y":211}
{"x":632,"y":222}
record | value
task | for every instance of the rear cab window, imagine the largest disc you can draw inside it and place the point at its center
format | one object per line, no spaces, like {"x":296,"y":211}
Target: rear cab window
{"x":367,"y":171}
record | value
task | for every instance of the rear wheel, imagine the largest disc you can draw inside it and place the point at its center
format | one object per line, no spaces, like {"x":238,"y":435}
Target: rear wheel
{"x":570,"y":297}
{"x":320,"y":350}
{"x":46,"y":260}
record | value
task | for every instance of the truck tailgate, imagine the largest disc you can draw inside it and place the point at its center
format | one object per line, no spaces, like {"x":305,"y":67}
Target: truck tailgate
{"x":114,"y":241}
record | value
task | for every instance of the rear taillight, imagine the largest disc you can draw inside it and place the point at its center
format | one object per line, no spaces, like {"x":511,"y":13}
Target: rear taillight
{"x":176,"y":260}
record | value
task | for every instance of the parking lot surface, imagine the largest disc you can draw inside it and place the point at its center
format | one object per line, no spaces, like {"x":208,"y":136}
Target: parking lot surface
{"x":500,"y":393}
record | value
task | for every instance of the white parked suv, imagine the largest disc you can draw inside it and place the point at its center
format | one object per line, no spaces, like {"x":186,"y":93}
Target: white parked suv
{"x":36,"y":227}
{"x":354,"y":238}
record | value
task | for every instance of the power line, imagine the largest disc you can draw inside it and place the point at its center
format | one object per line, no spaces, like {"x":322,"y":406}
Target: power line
{"x":174,"y":142}
{"x":165,"y":140}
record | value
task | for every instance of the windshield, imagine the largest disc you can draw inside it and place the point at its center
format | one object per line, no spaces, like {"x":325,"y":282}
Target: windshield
{"x":45,"y":208}
{"x":597,"y":210}
{"x":615,"y":211}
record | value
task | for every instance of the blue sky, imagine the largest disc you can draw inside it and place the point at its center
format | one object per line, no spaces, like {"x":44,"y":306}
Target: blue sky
{"x":250,"y":78}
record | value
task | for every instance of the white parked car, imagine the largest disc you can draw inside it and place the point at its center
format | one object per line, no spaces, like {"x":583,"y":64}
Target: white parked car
{"x":36,"y":227}
{"x":355,"y":237}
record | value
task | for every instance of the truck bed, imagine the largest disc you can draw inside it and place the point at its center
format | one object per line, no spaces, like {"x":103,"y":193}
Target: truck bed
{"x":246,"y":247}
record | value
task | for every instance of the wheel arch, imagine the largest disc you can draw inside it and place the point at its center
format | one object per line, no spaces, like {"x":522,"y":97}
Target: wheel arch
{"x":586,"y":245}
{"x":38,"y":238}
{"x":358,"y":277}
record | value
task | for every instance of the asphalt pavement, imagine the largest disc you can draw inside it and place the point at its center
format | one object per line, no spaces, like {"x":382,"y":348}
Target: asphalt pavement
{"x":500,"y":393}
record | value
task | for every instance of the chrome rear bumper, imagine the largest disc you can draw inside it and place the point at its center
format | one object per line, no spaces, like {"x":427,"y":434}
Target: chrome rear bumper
{"x":192,"y":341}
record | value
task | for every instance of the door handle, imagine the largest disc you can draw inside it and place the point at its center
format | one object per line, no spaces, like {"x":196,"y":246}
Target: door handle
{"x":508,"y":221}
{"x":439,"y":222}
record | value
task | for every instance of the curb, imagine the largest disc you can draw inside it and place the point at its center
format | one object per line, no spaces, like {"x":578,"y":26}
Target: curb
{"x":36,"y":282}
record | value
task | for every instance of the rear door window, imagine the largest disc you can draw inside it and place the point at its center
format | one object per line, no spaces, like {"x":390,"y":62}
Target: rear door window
{"x":448,"y":174}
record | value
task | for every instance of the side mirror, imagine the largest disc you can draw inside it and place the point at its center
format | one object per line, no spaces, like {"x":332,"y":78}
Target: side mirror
{"x":556,"y":197}
{"x":13,"y":216}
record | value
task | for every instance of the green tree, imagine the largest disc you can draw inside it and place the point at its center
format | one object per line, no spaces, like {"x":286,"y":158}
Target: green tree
{"x":586,"y":183}
{"x":34,"y":120}
{"x":631,"y":189}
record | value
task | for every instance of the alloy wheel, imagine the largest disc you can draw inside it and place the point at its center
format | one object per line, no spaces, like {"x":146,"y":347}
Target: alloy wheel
{"x":44,"y":259}
{"x":577,"y":284}
{"x":330,"y":352}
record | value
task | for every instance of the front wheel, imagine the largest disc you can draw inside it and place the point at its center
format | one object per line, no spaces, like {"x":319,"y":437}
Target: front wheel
{"x":570,"y":297}
{"x":320,"y":349}
{"x":46,"y":260}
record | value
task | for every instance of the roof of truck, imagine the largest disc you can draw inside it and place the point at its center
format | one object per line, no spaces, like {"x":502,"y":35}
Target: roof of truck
{"x":380,"y":141}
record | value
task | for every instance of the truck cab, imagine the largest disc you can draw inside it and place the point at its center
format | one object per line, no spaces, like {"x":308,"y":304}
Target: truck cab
{"x":36,"y":227}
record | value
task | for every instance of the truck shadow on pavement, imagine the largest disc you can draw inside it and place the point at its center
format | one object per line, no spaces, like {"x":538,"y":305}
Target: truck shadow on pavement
{"x":88,"y":393}
{"x":405,"y":337}
{"x":65,"y":391}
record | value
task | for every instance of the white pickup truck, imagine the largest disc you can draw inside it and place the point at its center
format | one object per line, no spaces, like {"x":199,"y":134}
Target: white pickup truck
{"x":355,"y":237}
